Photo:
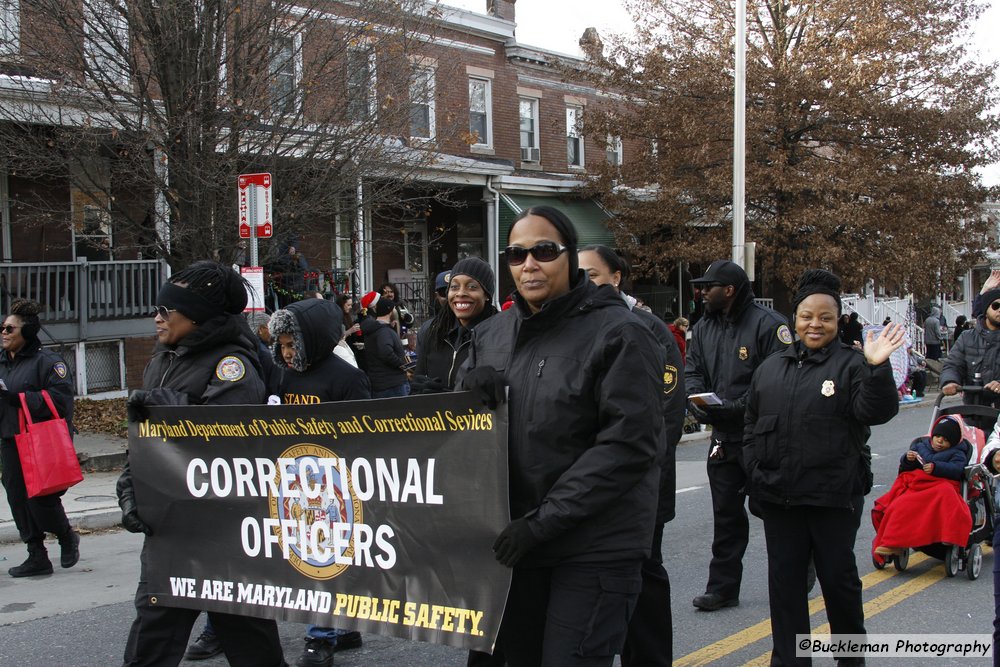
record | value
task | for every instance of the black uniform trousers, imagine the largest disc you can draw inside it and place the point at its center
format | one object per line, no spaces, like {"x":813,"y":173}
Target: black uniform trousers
{"x":794,"y":534}
{"x":159,"y":634}
{"x":570,"y":615}
{"x":32,"y":516}
{"x":650,"y":639}
{"x":727,"y":480}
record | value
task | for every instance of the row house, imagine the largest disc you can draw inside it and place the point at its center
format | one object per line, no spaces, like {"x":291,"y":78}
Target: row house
{"x":490,"y":128}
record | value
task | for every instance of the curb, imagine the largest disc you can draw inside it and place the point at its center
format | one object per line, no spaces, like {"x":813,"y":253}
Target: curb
{"x":101,"y":462}
{"x":88,"y":520}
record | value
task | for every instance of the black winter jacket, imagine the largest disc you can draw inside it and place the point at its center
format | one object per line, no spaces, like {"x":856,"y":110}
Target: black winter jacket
{"x":726,"y":348}
{"x":807,"y":422}
{"x":317,"y":375}
{"x":383,"y":354}
{"x":674,"y":404}
{"x":441,"y":360}
{"x":30,"y":371}
{"x":977,"y":350}
{"x":949,"y":463}
{"x":584,"y":378}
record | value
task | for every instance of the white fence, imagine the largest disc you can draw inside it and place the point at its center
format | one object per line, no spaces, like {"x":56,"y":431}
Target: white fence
{"x":873,"y":310}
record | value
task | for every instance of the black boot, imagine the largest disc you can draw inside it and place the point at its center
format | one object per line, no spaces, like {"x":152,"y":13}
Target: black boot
{"x":69,"y":545}
{"x":37,"y":563}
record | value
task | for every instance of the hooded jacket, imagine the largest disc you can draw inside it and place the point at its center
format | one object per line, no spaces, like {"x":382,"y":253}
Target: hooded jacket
{"x":949,"y":463}
{"x":807,"y":425}
{"x":30,"y":371}
{"x":316,"y":375}
{"x":383,"y":355}
{"x":585,"y":430}
{"x":725,"y":349}
{"x":932,"y":327}
{"x":975,"y":351}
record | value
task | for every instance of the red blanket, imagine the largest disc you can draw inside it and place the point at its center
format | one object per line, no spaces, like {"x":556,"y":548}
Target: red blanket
{"x":921,"y":509}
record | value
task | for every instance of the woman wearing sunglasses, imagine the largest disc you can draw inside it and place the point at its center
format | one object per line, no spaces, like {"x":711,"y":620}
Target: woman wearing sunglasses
{"x":26,"y":367}
{"x":583,"y":441}
{"x":205,"y":356}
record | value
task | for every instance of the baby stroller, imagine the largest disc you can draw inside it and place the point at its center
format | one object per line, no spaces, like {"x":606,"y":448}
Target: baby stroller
{"x":977,"y":492}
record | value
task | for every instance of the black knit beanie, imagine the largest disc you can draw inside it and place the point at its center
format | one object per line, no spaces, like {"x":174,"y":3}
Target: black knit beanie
{"x":817,"y":281}
{"x":384,"y":306}
{"x":203,"y":290}
{"x":478,"y":269}
{"x":989,"y":297}
{"x":949,"y":430}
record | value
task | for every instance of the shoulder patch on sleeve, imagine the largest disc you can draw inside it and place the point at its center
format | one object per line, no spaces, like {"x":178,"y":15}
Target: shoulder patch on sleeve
{"x":669,"y":378}
{"x":784,"y":335}
{"x":60,"y":369}
{"x":230,"y":369}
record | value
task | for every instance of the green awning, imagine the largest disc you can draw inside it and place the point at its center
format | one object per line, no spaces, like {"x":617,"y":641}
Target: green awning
{"x":588,"y":216}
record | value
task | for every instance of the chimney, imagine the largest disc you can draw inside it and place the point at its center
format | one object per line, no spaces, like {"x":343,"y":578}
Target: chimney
{"x":502,"y":9}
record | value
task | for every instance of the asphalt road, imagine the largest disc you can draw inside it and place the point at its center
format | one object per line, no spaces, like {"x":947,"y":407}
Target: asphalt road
{"x":80,"y":617}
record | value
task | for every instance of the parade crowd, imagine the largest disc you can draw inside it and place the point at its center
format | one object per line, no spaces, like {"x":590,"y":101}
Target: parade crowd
{"x":597,"y":390}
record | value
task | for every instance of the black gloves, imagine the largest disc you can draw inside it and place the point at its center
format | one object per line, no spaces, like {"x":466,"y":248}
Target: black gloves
{"x":487,"y":385}
{"x":731,"y":410}
{"x":421,"y":384}
{"x":12,"y":399}
{"x":142,"y":398}
{"x":514,"y":542}
{"x":699,"y":413}
{"x":126,"y":500}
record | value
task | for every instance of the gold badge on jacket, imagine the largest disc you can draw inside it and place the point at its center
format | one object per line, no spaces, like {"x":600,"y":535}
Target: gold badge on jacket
{"x":669,"y":378}
{"x":827,"y":389}
{"x":744,"y":354}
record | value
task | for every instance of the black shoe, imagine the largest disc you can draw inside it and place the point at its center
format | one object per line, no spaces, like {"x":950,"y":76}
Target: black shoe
{"x":69,"y":549}
{"x":347,"y":641}
{"x":317,"y":653}
{"x":713,"y":602}
{"x":206,"y":646}
{"x":36,"y":565}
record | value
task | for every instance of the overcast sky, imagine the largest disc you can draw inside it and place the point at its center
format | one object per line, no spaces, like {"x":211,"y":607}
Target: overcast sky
{"x":558,"y":24}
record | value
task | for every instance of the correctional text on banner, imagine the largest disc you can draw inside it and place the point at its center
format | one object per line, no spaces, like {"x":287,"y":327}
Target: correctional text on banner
{"x":370,"y":515}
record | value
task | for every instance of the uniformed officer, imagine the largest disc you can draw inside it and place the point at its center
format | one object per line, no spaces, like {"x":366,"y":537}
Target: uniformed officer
{"x":727,"y":344}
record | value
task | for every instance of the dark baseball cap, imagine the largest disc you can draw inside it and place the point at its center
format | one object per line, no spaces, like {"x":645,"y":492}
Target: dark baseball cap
{"x":442,"y":280}
{"x":722,"y":272}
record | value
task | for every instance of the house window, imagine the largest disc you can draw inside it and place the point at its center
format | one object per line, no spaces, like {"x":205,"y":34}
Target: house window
{"x":574,"y":139}
{"x":93,"y":237}
{"x":343,"y":228}
{"x":106,"y":44}
{"x":286,"y":67}
{"x":361,"y":100}
{"x":481,"y":112}
{"x":10,"y":27}
{"x":614,"y":150}
{"x":422,"y":103}
{"x":528,"y":112}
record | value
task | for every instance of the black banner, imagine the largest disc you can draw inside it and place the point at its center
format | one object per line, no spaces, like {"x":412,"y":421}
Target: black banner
{"x":251,"y":513}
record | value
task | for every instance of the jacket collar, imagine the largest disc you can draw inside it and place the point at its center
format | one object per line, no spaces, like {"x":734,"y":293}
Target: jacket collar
{"x":799,"y":352}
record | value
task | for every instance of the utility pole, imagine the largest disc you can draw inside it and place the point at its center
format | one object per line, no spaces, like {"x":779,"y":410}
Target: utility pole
{"x":739,"y":133}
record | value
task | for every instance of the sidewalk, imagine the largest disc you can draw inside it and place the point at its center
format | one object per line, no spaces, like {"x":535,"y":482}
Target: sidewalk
{"x":92,"y":504}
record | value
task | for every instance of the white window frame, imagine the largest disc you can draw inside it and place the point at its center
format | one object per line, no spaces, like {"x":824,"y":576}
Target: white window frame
{"x":487,"y":141}
{"x":533,"y":106}
{"x":296,"y":74}
{"x":103,"y":59}
{"x":354,"y":88}
{"x":574,"y":113}
{"x":614,"y":150}
{"x":10,"y":27}
{"x":427,"y":75}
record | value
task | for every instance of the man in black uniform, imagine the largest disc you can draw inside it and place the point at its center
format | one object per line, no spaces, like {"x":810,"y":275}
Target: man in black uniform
{"x":727,"y":344}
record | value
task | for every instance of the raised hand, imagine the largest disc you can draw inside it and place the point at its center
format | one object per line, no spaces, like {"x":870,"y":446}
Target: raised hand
{"x":878,"y":348}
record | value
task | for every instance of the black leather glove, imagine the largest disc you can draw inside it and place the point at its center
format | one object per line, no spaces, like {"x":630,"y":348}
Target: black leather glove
{"x":730,"y":410}
{"x":487,"y":384}
{"x":698,"y":413}
{"x":126,"y":501}
{"x":514,"y":543}
{"x":10,"y":398}
{"x":141,"y":399}
{"x":421,"y":384}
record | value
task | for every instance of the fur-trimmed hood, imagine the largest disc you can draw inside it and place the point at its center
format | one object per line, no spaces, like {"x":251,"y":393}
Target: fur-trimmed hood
{"x":315,"y":325}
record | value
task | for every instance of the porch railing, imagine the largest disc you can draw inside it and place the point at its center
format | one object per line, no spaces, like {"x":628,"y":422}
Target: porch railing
{"x":84,"y":291}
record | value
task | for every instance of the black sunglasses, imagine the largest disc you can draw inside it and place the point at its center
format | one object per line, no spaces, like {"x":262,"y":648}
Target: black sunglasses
{"x":163,"y":312}
{"x":8,"y":329}
{"x":546,"y":251}
{"x":995,"y":305}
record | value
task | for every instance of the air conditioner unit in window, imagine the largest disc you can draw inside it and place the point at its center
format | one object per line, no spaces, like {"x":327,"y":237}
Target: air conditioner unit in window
{"x":531,"y":154}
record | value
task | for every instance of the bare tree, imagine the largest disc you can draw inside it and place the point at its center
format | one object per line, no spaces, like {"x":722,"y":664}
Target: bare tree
{"x":151,"y":108}
{"x":865,"y":122}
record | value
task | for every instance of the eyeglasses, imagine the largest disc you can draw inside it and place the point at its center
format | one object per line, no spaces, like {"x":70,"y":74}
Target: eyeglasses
{"x":546,"y":251}
{"x":163,"y":312}
{"x":8,"y":329}
{"x":995,"y":305}
{"x":707,"y":286}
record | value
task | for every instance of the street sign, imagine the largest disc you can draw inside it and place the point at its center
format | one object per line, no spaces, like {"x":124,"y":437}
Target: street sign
{"x":255,"y":205}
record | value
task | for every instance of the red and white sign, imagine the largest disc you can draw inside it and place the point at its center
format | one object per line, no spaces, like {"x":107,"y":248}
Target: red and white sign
{"x":255,"y":205}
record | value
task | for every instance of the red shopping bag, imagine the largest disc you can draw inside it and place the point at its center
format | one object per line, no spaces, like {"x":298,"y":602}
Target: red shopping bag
{"x":48,"y":459}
